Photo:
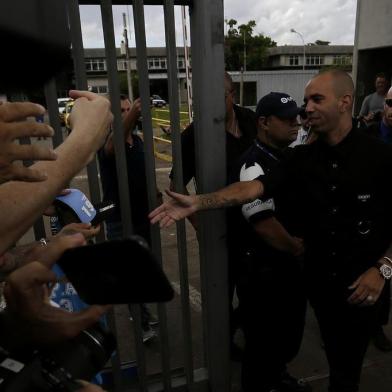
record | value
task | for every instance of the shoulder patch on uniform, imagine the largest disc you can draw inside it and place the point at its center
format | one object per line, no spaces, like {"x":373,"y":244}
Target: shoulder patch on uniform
{"x":251,"y":172}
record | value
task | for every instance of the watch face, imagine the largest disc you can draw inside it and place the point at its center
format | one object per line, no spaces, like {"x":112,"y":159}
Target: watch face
{"x":386,"y":271}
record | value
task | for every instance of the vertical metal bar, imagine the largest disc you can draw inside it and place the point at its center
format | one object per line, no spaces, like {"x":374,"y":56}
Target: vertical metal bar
{"x":144,"y":88}
{"x":92,"y":170}
{"x":53,"y":111}
{"x":178,"y":183}
{"x":187,"y":64}
{"x":208,"y":83}
{"x":81,"y":84}
{"x":122,"y":175}
{"x":356,"y":55}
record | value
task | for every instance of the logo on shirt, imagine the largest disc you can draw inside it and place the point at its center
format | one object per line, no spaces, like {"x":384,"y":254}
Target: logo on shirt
{"x":251,"y":172}
{"x":363,"y":197}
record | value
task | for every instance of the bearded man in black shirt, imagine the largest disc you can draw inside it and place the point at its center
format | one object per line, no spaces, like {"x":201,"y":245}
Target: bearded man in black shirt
{"x":341,"y":187}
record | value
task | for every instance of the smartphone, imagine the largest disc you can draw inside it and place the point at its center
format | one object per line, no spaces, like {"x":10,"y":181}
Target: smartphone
{"x":116,"y":272}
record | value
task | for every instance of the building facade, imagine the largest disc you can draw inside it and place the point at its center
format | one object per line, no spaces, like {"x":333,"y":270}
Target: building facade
{"x":316,"y":56}
{"x":95,"y":60}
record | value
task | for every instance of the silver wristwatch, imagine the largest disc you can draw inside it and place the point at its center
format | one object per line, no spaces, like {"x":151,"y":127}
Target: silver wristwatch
{"x":385,"y":270}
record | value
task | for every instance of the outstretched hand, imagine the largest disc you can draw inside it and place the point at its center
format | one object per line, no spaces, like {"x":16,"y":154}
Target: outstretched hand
{"x":174,"y":209}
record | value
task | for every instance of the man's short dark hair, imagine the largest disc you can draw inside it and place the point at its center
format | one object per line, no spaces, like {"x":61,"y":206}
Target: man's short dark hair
{"x":123,"y":97}
{"x":382,"y":75}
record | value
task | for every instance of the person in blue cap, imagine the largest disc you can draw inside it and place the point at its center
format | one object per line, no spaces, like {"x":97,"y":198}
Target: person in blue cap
{"x":268,"y":255}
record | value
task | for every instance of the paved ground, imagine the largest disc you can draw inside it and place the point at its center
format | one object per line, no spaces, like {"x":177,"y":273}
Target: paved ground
{"x":310,"y":363}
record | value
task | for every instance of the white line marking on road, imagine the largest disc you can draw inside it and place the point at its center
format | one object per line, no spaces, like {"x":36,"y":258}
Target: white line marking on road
{"x":194,"y":296}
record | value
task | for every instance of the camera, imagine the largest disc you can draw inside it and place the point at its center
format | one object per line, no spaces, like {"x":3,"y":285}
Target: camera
{"x":57,"y":369}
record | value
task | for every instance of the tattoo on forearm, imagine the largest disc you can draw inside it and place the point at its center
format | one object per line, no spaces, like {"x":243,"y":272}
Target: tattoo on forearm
{"x":212,"y":201}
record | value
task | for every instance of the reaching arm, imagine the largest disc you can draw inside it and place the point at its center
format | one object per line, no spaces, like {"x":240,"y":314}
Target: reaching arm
{"x":129,"y":123}
{"x":180,"y":206}
{"x":21,"y":203}
{"x":275,"y":235}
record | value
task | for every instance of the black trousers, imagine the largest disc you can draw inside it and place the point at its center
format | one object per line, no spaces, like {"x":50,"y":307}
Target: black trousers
{"x":273,"y":306}
{"x":346,"y":331}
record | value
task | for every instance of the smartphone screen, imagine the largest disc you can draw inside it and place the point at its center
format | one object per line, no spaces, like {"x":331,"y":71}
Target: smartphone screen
{"x":116,"y":272}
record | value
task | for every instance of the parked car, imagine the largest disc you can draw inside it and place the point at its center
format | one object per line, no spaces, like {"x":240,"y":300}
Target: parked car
{"x":61,"y":102}
{"x":157,"y":101}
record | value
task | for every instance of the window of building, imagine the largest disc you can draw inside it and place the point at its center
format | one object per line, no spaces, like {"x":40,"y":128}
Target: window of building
{"x":294,"y":60}
{"x":99,"y":89}
{"x":95,"y":65}
{"x":342,"y":60}
{"x":314,"y":60}
{"x":180,"y":62}
{"x":157,"y":63}
{"x":122,"y":65}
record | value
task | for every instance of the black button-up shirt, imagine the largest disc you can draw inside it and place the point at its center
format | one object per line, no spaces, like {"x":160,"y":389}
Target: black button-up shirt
{"x":341,"y":203}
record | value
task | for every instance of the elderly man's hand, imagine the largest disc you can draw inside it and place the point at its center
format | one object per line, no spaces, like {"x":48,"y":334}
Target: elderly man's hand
{"x":13,"y":126}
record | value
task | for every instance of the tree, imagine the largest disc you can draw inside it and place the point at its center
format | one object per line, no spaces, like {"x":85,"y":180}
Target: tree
{"x":323,"y":43}
{"x":123,"y":80}
{"x":256,"y":46}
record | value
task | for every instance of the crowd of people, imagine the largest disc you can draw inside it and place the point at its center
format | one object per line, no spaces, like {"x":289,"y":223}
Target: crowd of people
{"x":29,"y":320}
{"x":310,"y":211}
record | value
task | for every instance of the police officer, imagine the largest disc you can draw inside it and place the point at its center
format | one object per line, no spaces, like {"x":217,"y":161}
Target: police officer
{"x":342,"y":190}
{"x":269,"y":287}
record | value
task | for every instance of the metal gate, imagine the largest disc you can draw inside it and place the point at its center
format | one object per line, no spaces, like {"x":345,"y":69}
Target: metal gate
{"x":207,"y":47}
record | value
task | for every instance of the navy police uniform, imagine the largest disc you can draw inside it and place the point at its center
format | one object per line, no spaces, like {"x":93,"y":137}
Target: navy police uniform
{"x":270,"y":290}
{"x":342,"y":195}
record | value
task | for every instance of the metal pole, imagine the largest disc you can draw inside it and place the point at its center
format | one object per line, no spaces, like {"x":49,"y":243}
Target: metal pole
{"x":81,"y":84}
{"x":244,"y":50}
{"x":178,"y":186}
{"x":303,"y":43}
{"x":128,"y":62}
{"x":144,"y":88}
{"x":210,"y":139}
{"x":187,"y":64}
{"x":242,"y":87}
{"x":122,"y":175}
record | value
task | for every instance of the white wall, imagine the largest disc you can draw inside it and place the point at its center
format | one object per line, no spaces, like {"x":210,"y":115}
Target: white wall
{"x":374,"y":25}
{"x":290,"y":82}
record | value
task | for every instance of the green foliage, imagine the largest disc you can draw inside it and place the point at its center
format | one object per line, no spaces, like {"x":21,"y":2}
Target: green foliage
{"x":323,"y":43}
{"x":122,"y":77}
{"x":256,"y":46}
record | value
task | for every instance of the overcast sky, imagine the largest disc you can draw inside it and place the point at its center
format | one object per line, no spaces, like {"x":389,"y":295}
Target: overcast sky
{"x":327,"y":20}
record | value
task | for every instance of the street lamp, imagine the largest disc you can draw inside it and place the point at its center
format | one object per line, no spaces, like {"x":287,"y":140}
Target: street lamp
{"x":303,"y":42}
